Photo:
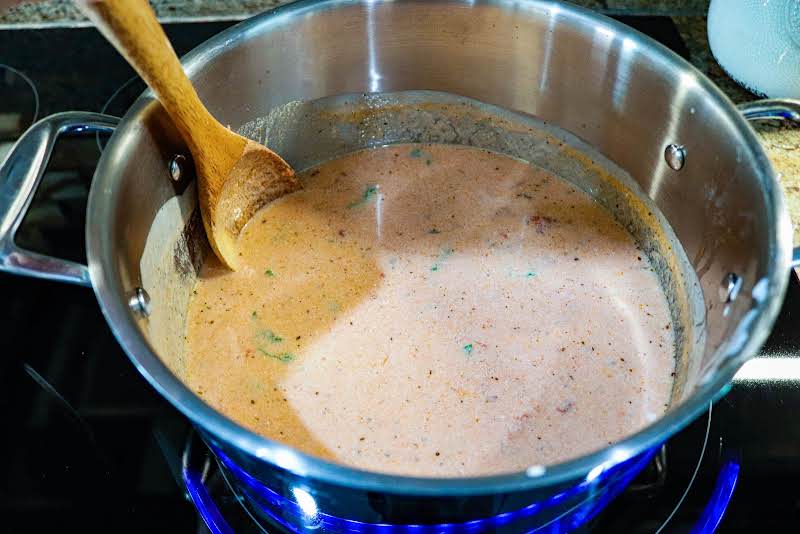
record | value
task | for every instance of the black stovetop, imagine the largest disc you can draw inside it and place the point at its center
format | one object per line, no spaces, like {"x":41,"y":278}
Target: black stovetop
{"x":88,"y":446}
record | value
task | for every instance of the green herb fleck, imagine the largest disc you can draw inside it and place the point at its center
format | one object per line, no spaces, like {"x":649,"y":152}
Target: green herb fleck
{"x":284,"y":357}
{"x":254,"y":315}
{"x":442,"y":256}
{"x":517,"y":273}
{"x":434,"y":231}
{"x":269,"y":273}
{"x":418,"y":153}
{"x":468,"y":349}
{"x":368,"y":193}
{"x":270,"y":336}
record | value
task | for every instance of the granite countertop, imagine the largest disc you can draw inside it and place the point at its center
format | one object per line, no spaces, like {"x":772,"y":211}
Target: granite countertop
{"x":783,"y":149}
{"x":64,"y":13}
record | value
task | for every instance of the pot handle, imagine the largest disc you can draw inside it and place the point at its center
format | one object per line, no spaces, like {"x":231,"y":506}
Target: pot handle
{"x":783,"y":109}
{"x":772,"y":109}
{"x":20,"y":174}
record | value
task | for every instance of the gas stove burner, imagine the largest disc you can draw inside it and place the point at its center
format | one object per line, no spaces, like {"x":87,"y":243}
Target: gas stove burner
{"x":301,"y":512}
{"x":298,"y":509}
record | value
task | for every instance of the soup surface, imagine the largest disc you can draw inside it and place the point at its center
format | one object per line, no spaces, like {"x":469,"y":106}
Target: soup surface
{"x":434,"y":310}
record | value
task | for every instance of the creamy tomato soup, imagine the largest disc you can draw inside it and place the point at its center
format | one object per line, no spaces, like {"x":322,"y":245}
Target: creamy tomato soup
{"x":434,"y":310}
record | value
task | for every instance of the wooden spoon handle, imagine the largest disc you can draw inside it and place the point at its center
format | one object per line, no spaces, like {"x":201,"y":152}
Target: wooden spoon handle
{"x":132,"y":27}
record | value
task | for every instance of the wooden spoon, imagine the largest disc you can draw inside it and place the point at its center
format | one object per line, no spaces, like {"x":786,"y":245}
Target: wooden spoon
{"x":236,"y":176}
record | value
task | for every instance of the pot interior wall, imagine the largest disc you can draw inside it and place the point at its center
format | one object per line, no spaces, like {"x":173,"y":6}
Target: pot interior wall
{"x":176,"y":245}
{"x":610,"y":88}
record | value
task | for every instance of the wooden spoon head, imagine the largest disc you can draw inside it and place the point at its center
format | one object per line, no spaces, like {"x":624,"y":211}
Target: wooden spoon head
{"x":256,"y":179}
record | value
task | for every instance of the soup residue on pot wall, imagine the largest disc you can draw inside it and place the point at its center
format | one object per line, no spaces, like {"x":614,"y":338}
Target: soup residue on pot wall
{"x":434,"y":310}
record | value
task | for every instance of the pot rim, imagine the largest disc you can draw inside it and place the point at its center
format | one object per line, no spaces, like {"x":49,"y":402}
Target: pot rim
{"x":751,"y":332}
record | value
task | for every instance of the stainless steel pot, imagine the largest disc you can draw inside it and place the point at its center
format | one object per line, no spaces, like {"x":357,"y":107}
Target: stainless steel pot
{"x":640,"y":105}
